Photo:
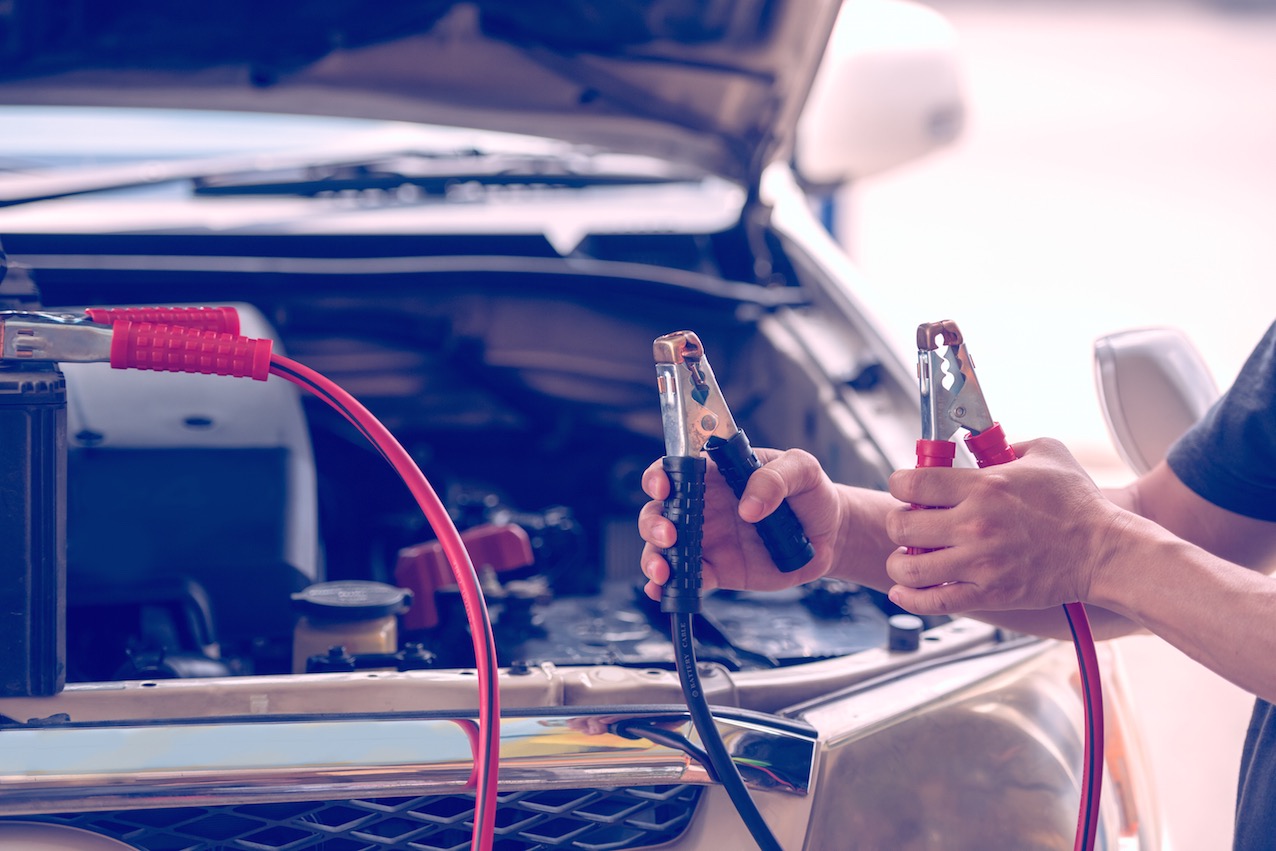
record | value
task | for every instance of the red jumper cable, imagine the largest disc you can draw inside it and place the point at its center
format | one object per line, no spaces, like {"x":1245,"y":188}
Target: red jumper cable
{"x":952,"y":401}
{"x":205,"y":340}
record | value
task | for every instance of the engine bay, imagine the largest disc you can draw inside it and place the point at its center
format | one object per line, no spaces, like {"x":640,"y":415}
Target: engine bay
{"x":200,"y":506}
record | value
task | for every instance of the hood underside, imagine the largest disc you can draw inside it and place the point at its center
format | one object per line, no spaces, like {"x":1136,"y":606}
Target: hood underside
{"x":713,"y":83}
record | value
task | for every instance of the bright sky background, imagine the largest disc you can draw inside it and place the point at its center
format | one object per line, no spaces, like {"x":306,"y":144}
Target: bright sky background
{"x":1118,"y":170}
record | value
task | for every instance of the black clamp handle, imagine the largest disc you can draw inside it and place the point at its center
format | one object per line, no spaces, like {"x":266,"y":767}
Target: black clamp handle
{"x":780,"y":530}
{"x":685,"y":509}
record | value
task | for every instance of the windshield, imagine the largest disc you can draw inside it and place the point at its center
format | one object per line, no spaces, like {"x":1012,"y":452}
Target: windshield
{"x":195,"y":171}
{"x":66,"y":136}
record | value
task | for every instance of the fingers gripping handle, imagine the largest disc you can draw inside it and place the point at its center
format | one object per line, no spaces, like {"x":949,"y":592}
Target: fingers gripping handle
{"x":989,"y":448}
{"x":685,"y":509}
{"x":781,"y":531}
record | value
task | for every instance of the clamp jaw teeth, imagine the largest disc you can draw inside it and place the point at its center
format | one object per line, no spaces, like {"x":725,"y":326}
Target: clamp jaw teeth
{"x":693,"y":410}
{"x":951,"y":397}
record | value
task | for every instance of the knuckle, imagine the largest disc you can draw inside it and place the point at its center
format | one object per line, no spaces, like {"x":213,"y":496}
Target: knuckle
{"x":904,"y":570}
{"x":979,"y":527}
{"x":945,"y":604}
{"x":995,"y":484}
{"x":800,"y":457}
{"x":767,"y":483}
{"x":648,"y":516}
{"x":654,"y":481}
{"x":899,"y":484}
{"x":897,"y":525}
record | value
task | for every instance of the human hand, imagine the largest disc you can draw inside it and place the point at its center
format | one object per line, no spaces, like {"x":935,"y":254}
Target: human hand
{"x":1026,"y":535}
{"x":733,"y":555}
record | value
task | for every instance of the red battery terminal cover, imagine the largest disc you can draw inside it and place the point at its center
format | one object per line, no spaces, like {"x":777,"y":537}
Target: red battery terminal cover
{"x":423,"y":568}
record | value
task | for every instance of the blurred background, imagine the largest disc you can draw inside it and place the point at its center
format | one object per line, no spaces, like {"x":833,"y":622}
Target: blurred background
{"x":1117,"y":170}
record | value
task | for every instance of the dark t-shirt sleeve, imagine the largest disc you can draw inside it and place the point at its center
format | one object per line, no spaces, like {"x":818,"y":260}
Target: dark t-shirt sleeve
{"x":1229,"y":457}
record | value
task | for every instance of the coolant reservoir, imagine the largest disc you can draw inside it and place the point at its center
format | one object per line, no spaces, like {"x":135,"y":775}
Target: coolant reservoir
{"x":358,"y":615}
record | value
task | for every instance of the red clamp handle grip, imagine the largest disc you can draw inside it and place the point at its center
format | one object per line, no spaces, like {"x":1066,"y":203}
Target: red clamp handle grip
{"x":935,"y":453}
{"x":170,"y":348}
{"x":224,"y":320}
{"x":932,"y":453}
{"x":990,"y":447}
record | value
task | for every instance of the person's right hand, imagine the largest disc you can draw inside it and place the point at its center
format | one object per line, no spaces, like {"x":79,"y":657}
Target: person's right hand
{"x":732,"y":552}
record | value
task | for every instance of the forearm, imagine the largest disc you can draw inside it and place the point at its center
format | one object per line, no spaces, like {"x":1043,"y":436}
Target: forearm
{"x":1218,"y":612}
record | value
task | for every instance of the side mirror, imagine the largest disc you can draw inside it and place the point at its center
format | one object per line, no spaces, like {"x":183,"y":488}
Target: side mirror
{"x":1153,"y":386}
{"x":888,"y":91}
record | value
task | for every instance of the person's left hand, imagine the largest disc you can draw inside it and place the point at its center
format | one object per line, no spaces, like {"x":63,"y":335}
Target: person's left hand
{"x":1025,"y":535}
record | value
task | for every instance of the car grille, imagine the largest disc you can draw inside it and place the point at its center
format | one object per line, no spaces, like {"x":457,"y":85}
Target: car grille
{"x":581,"y":819}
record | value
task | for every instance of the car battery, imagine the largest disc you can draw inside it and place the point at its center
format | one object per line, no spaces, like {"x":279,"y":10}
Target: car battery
{"x":32,"y":530}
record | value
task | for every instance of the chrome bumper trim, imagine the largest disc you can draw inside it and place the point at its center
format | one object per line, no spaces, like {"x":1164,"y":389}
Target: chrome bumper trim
{"x":92,"y":767}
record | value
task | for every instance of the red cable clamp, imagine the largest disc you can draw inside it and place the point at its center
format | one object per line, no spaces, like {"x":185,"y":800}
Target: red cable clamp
{"x":169,"y":348}
{"x":224,"y":320}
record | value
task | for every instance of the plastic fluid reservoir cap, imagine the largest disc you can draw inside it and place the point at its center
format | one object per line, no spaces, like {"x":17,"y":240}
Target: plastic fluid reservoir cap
{"x":904,"y":632}
{"x":351,"y":600}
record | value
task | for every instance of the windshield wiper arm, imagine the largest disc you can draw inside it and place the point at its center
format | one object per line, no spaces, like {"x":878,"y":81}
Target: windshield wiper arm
{"x":48,"y":184}
{"x":439,"y":175}
{"x":316,"y":173}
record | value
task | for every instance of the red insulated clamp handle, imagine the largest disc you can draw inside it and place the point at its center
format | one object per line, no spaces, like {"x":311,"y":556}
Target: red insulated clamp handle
{"x":935,"y":453}
{"x":169,"y":348}
{"x":932,"y":453}
{"x":990,"y":447}
{"x":224,"y":320}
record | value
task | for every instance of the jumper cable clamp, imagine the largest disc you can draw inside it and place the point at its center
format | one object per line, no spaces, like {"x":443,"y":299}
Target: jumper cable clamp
{"x":162,"y":339}
{"x":953,"y":401}
{"x":696,"y":420}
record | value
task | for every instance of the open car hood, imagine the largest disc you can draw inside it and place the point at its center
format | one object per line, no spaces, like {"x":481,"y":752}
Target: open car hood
{"x":712,"y":83}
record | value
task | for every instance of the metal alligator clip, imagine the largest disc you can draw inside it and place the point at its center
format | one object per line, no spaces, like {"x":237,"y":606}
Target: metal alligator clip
{"x":953,"y":401}
{"x":696,"y":420}
{"x":86,"y":336}
{"x":42,"y":336}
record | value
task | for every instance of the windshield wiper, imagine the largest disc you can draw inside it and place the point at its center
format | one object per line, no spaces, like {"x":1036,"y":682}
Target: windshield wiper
{"x":371,"y":165}
{"x":433,"y":175}
{"x":48,"y":184}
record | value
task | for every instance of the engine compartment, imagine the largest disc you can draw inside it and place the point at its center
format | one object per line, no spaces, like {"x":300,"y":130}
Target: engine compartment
{"x":527,"y":398}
